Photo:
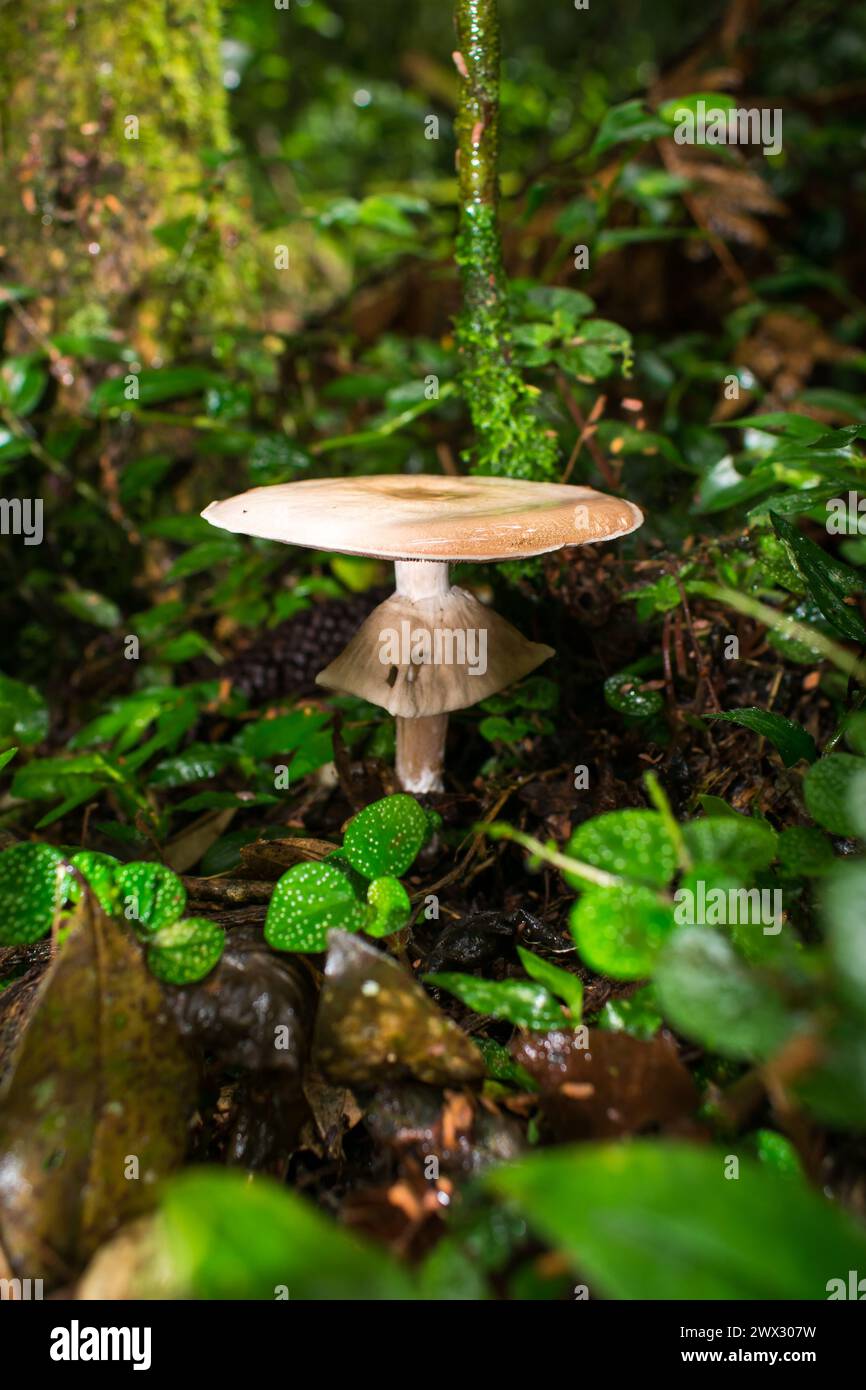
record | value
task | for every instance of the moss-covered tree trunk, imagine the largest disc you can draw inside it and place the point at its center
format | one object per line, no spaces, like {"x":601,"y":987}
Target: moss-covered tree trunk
{"x":112,"y":130}
{"x":509,"y":439}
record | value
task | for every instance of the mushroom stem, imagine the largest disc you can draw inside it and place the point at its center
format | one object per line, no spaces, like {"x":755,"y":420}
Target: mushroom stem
{"x":421,"y":578}
{"x":421,"y":752}
{"x":421,"y":741}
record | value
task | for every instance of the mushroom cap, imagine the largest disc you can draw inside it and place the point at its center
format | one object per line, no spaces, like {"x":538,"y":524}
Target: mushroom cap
{"x":403,"y":516}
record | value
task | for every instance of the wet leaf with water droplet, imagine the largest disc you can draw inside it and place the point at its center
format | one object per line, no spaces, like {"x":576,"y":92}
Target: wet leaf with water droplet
{"x":376,"y":1023}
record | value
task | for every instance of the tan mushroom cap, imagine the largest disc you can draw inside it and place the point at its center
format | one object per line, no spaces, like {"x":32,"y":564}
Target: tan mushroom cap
{"x":403,"y":516}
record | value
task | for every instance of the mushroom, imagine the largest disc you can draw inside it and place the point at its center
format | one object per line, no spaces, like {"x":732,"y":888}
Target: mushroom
{"x":431,"y":647}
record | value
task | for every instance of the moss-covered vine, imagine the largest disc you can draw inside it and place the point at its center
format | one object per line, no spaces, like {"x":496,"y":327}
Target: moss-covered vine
{"x":509,"y":438}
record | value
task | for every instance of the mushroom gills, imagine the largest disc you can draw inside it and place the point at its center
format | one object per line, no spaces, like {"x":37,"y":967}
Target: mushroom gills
{"x":426,"y":657}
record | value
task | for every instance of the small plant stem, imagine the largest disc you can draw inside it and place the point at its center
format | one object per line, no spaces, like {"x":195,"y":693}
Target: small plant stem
{"x":600,"y":877}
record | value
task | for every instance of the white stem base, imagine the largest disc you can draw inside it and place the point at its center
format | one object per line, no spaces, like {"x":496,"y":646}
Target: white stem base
{"x":421,"y":753}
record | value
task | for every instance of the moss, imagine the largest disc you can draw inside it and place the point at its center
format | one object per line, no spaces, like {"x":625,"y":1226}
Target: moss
{"x":92,"y":198}
{"x":510,"y":439}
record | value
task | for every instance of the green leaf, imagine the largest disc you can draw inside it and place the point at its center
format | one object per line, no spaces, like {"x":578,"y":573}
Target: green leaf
{"x":450,"y":1274}
{"x":186,"y":951}
{"x":23,"y":713}
{"x":736,"y":842}
{"x":660,"y":597}
{"x":274,"y":459}
{"x":204,"y":556}
{"x":560,"y":982}
{"x":784,"y":422}
{"x":218,"y":801}
{"x":230,"y":1238}
{"x":100,"y":871}
{"x":716,"y":806}
{"x":620,"y":931}
{"x":6,"y":758}
{"x":186,"y":646}
{"x":91,"y":345}
{"x":33,"y":885}
{"x":805,"y":851}
{"x":42,"y":779}
{"x":524,"y":1004}
{"x":550,"y":300}
{"x":707,"y":993}
{"x":827,"y":580}
{"x":612,"y":1208}
{"x":154,"y":386}
{"x":356,"y":572}
{"x":626,"y":122}
{"x":792,"y":648}
{"x":385,"y":837}
{"x":777,"y":1153}
{"x":624,"y":693}
{"x":671,"y":111}
{"x":835,"y":793}
{"x":91,"y":607}
{"x":151,"y":896}
{"x":313,"y":753}
{"x":143,"y":474}
{"x":285,"y":733}
{"x":501,"y":1066}
{"x":791,"y":740}
{"x":843,"y":901}
{"x":637,"y":1015}
{"x":307,"y":902}
{"x":197,"y":763}
{"x":390,"y":906}
{"x":496,"y":728}
{"x":633,"y":844}
{"x":22,"y":383}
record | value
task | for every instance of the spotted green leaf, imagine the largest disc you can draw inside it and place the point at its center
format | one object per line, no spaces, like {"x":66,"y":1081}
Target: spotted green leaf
{"x":33,"y":885}
{"x":385,"y":837}
{"x":390,"y":906}
{"x":307,"y":902}
{"x":150,"y":896}
{"x":186,"y":951}
{"x":633,"y":844}
{"x":624,"y":693}
{"x":619,"y":931}
{"x":100,"y":871}
{"x":737,"y":842}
